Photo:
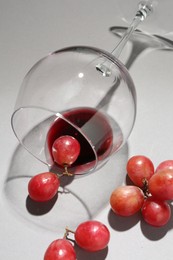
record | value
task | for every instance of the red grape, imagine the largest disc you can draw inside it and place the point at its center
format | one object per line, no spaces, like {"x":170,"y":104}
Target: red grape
{"x":155,"y":212}
{"x":161,"y":185}
{"x":43,"y":186}
{"x":65,"y":150}
{"x":126,"y":200}
{"x":168,"y":164}
{"x":139,"y":169}
{"x":60,"y":249}
{"x":92,"y":235}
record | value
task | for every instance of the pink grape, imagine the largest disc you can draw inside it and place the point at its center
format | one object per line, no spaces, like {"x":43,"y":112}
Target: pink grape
{"x":60,"y":249}
{"x":126,"y":200}
{"x":92,"y":235}
{"x":65,"y":150}
{"x":155,"y":212}
{"x":161,"y":184}
{"x":140,"y":168}
{"x":43,"y":186}
{"x":168,"y":164}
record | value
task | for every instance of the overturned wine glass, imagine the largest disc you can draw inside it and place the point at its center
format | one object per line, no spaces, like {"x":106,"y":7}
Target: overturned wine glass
{"x":83,"y":92}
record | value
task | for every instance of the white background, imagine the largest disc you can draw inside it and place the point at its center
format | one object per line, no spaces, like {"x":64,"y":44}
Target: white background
{"x":29,"y":30}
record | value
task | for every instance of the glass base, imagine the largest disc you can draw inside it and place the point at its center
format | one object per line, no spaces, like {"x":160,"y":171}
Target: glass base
{"x":140,"y":42}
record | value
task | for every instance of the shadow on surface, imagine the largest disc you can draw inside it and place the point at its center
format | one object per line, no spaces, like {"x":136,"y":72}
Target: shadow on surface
{"x":84,"y":255}
{"x":40,"y":208}
{"x":122,"y":223}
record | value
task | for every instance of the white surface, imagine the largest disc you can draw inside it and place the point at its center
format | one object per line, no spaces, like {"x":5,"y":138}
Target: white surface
{"x":31,"y":29}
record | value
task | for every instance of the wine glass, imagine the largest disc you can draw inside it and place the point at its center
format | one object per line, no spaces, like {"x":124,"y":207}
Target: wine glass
{"x":64,"y":94}
{"x":87,"y":93}
{"x":69,"y":93}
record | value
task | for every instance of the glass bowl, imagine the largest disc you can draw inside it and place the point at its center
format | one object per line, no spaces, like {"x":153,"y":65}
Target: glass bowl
{"x":80,"y":91}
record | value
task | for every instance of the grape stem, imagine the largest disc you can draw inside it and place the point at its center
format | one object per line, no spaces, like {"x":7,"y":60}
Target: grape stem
{"x":145,"y":188}
{"x":67,"y":231}
{"x":66,"y":172}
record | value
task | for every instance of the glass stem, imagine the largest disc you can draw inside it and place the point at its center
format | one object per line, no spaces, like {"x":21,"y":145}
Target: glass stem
{"x":119,"y":48}
{"x":145,"y":8}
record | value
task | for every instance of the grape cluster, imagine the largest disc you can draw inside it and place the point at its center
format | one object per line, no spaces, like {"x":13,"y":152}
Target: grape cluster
{"x":90,"y":235}
{"x":151,"y":193}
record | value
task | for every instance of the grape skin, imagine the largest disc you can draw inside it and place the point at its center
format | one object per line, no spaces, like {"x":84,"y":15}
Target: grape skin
{"x":43,"y":186}
{"x":155,"y":212}
{"x":65,"y":150}
{"x":60,"y":249}
{"x":139,"y":168}
{"x":161,"y":184}
{"x":168,"y":164}
{"x":92,"y":235}
{"x":126,"y":200}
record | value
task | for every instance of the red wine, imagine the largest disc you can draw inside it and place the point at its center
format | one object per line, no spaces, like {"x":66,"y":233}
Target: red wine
{"x":93,"y":131}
